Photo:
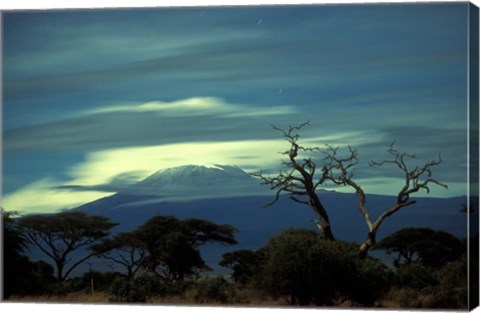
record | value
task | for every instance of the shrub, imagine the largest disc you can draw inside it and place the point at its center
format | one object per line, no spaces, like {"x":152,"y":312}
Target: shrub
{"x":416,"y":276}
{"x":305,"y":268}
{"x":123,"y":290}
{"x":423,"y":287}
{"x":215,"y":290}
{"x":101,"y":280}
{"x":372,"y":281}
{"x":144,"y":287}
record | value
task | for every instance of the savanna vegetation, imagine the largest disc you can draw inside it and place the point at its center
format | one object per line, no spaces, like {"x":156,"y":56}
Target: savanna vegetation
{"x":161,"y":261}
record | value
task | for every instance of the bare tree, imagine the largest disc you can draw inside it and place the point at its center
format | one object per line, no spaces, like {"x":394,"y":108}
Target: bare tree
{"x":416,"y":179}
{"x":301,"y":180}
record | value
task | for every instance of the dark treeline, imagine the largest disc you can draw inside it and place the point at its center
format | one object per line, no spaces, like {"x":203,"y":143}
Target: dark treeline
{"x":162,"y":259}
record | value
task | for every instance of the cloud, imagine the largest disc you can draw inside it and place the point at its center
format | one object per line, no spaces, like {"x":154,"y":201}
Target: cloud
{"x":323,"y":48}
{"x":100,"y":173}
{"x":115,"y":184}
{"x":196,"y":106}
{"x":107,"y":164}
{"x":172,"y":84}
{"x":103,"y":172}
{"x":43,"y":196}
{"x":103,"y":167}
{"x":152,"y":123}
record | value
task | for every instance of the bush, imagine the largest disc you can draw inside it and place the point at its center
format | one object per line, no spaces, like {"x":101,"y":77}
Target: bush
{"x":144,"y":287}
{"x":123,"y":290}
{"x":215,"y":290}
{"x":423,"y":287}
{"x":372,"y":281}
{"x":101,"y":280}
{"x":416,"y":276}
{"x":305,"y":268}
{"x":452,"y":290}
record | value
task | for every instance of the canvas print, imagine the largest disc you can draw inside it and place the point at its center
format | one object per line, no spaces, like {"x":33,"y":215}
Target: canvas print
{"x":255,"y":156}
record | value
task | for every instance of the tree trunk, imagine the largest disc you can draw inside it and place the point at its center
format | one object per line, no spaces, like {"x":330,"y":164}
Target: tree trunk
{"x":367,"y":244}
{"x":59,"y":265}
{"x":129,"y":273}
{"x":317,"y":206}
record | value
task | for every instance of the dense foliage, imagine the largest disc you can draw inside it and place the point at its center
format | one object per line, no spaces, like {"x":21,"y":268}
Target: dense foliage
{"x":245,"y":264}
{"x":172,"y":245}
{"x":20,"y":275}
{"x":431,"y":268}
{"x":305,"y":268}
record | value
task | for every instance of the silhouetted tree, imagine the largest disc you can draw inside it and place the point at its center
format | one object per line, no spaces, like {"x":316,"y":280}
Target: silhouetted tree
{"x":59,"y":235}
{"x":20,"y":275}
{"x":172,"y":245}
{"x":199,"y":232}
{"x":125,"y":249}
{"x":14,"y":262}
{"x":244,"y":263}
{"x":304,"y":176}
{"x":429,"y":247}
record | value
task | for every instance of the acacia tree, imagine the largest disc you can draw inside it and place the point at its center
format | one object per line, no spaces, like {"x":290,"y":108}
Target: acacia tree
{"x":59,"y":235}
{"x":172,"y":245}
{"x":125,"y":249}
{"x":431,"y":248}
{"x":303,"y":178}
{"x":244,"y":263}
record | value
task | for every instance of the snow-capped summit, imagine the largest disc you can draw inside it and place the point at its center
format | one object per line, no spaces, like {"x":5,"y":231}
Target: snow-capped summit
{"x":193,"y":175}
{"x":197,"y":181}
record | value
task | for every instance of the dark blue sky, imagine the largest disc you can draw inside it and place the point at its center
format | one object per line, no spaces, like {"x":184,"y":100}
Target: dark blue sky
{"x":94,"y":95}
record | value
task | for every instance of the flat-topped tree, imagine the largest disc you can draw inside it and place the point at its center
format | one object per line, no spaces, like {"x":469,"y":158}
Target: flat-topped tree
{"x":59,"y":235}
{"x":172,"y":245}
{"x":125,"y":249}
{"x":302,"y":179}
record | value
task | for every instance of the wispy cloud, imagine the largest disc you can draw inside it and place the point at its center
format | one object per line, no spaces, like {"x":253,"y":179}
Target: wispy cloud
{"x":92,"y":179}
{"x":197,"y":106}
{"x":43,"y":196}
{"x":107,"y":171}
{"x":152,"y":123}
{"x":178,"y":86}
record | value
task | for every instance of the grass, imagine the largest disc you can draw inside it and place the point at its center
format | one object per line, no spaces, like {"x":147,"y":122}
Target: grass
{"x":396,"y":298}
{"x":247,"y":297}
{"x":74,"y":297}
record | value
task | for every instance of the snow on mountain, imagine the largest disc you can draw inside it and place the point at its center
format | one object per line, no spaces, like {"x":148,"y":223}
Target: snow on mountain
{"x":190,"y":182}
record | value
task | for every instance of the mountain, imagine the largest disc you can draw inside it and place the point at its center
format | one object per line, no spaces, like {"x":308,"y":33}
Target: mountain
{"x":187,"y":183}
{"x":228,"y":195}
{"x":181,"y":184}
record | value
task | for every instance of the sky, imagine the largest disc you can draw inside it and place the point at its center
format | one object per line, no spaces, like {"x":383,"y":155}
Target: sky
{"x":99,"y":99}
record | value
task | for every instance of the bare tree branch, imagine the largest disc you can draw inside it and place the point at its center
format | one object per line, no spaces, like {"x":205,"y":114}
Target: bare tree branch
{"x":302,"y":179}
{"x":299,"y":180}
{"x":415,"y":181}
